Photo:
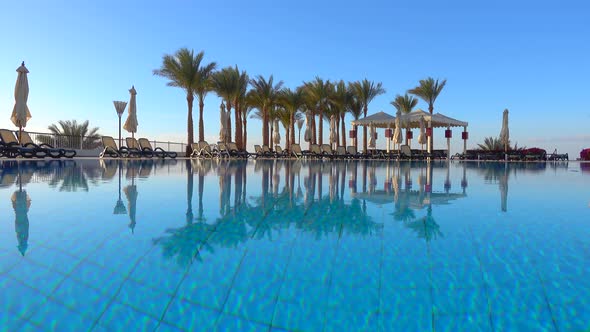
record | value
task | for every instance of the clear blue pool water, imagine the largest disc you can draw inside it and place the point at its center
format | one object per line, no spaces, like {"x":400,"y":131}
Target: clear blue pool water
{"x":294,"y":246}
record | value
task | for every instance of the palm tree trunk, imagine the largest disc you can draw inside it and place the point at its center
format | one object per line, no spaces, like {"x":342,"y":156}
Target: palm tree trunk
{"x":264,"y":126}
{"x":292,"y":131}
{"x":343,"y":130}
{"x":272,"y":129}
{"x":355,"y":139}
{"x":337,"y":124}
{"x":365,"y":132}
{"x":201,"y":123}
{"x":321,"y":131}
{"x":431,"y":109}
{"x":238,"y":121}
{"x":245,"y":132}
{"x":190,"y":138}
{"x":229,"y":106}
{"x":313,"y":129}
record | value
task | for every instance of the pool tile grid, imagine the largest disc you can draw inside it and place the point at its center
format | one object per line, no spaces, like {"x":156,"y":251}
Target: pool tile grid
{"x":495,"y":319}
{"x":212,"y":316}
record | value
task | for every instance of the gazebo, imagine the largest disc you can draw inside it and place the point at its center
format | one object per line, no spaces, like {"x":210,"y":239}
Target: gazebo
{"x":412,"y":121}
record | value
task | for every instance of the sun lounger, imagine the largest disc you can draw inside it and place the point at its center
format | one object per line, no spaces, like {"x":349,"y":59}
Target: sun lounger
{"x":327,"y":151}
{"x":266,"y":151}
{"x":222,"y":150}
{"x":201,"y":149}
{"x":111,"y":149}
{"x":279,"y":152}
{"x":407,"y":153}
{"x":315,"y":151}
{"x":233,"y":150}
{"x":352,"y":152}
{"x":133,"y":147}
{"x":146,"y":146}
{"x":12,"y":148}
{"x":341,"y":152}
{"x":557,"y":156}
{"x":27,"y":142}
{"x":296,"y":151}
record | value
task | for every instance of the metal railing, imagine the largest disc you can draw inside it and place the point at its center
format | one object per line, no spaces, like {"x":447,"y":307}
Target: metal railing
{"x":92,"y":142}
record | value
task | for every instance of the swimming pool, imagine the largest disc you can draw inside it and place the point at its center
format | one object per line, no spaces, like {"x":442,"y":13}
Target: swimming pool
{"x":294,"y":245}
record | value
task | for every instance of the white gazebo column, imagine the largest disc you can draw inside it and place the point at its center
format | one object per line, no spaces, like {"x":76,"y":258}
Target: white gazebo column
{"x":448,"y":142}
{"x":388,"y":139}
{"x":464,"y":140}
{"x":429,"y":150}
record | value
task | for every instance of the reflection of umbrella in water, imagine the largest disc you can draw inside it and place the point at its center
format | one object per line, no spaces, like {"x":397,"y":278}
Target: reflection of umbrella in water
{"x":503,"y":184}
{"x":21,"y":203}
{"x":131,"y":194}
{"x":120,"y":206}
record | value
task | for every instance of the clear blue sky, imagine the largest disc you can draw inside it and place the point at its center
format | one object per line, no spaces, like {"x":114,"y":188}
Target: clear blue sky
{"x":528,"y":56}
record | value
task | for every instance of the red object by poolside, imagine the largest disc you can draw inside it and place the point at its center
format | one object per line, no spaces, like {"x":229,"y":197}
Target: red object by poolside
{"x":388,"y":133}
{"x":352,"y":134}
{"x":428,"y":188}
{"x":448,"y":133}
{"x":465,"y":135}
{"x":409,"y":135}
{"x":351,"y":183}
{"x":429,"y":132}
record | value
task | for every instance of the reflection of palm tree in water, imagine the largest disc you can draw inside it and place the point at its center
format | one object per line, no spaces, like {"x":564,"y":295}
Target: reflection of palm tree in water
{"x":242,"y":222}
{"x":426,"y":227}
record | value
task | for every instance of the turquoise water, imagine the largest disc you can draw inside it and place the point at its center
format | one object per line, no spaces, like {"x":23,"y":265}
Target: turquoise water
{"x":290,"y":245}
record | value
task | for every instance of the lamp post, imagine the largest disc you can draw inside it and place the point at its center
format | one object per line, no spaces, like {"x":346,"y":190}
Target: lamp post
{"x":120,"y":108}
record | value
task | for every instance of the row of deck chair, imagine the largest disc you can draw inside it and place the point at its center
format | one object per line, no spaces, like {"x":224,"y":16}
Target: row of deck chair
{"x":222,"y":150}
{"x":25,"y":147}
{"x":136,"y":148}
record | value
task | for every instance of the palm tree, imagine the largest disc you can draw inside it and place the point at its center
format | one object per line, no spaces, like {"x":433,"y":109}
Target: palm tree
{"x":184,"y":70}
{"x":291,"y":101}
{"x":76,"y":135}
{"x":405,"y":104}
{"x":428,"y":90}
{"x":226,"y":84}
{"x":203,"y":87}
{"x":340,"y":97}
{"x":317,"y":92}
{"x":366,"y":91}
{"x":355,"y":108}
{"x":240,"y":105}
{"x":491,"y":144}
{"x":264,"y":97}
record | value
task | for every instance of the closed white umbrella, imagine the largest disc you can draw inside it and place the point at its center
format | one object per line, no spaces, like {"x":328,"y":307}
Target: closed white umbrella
{"x":307,"y":135}
{"x":422,"y":136}
{"x":505,"y":133}
{"x":372,"y":135}
{"x":397,"y":132}
{"x":299,"y":126}
{"x":222,"y":123}
{"x":333,"y":129}
{"x":131,"y":122}
{"x":20,"y":112}
{"x":276,"y":136}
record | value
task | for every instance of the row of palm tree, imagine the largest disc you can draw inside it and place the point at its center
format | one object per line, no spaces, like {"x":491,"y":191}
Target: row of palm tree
{"x":324,"y":99}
